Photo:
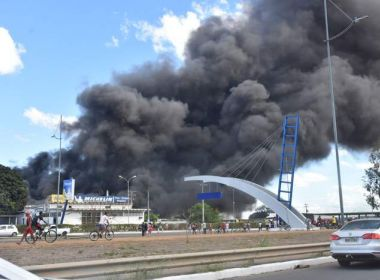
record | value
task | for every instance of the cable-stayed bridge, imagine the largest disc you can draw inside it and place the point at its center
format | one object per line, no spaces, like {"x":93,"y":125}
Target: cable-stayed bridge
{"x":241,"y":175}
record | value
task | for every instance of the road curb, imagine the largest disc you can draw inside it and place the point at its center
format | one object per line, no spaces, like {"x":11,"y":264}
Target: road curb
{"x":257,"y":269}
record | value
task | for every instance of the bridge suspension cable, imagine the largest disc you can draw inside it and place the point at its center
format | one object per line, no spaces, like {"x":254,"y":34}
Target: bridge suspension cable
{"x":255,"y":158}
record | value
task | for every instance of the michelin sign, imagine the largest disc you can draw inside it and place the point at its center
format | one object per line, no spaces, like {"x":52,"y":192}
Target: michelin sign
{"x":102,"y":199}
{"x":69,"y":189}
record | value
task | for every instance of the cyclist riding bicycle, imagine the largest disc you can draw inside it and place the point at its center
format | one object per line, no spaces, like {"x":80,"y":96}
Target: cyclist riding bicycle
{"x":103,"y":223}
{"x":36,"y":222}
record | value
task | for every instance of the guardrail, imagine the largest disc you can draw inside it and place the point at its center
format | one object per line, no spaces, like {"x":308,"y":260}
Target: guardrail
{"x":163,"y":265}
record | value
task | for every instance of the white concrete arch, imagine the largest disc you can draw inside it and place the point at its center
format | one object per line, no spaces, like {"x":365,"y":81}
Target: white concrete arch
{"x":291,"y":216}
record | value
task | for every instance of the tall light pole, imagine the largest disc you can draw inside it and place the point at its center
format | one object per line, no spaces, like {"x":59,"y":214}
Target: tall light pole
{"x":129,"y":199}
{"x":148,"y":207}
{"x":331,"y":90}
{"x":59,"y":162}
{"x":233,"y":204}
{"x":203,"y":208}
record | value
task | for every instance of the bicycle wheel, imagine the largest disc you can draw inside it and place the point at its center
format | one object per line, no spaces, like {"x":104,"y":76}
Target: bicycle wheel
{"x":51,"y":236}
{"x":30,"y":239}
{"x":109,"y":234}
{"x":94,"y":236}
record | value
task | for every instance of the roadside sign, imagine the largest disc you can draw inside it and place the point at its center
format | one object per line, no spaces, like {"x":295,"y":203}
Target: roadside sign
{"x":209,"y":195}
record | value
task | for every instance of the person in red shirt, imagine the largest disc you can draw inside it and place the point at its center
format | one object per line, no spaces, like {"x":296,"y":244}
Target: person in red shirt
{"x":28,"y":229}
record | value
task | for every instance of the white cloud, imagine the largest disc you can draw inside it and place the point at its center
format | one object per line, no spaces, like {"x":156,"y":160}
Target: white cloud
{"x":173,"y":31}
{"x":47,"y":120}
{"x":114,"y":43}
{"x":124,"y":27}
{"x":308,"y":179}
{"x":21,"y":138}
{"x":10,"y":51}
{"x":172,"y":34}
{"x":346,"y":163}
{"x":363,"y":165}
{"x":343,"y":152}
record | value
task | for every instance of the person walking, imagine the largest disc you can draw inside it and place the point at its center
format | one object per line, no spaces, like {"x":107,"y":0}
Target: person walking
{"x":28,"y":229}
{"x":210,"y":228}
{"x":150,"y":229}
{"x":144,"y":228}
{"x":267,"y":225}
{"x":204,"y":228}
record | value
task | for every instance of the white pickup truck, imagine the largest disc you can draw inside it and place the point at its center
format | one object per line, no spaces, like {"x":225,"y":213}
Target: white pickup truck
{"x":60,"y":231}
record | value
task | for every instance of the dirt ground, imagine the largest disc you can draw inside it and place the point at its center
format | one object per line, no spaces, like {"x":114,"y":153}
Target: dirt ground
{"x":72,"y":250}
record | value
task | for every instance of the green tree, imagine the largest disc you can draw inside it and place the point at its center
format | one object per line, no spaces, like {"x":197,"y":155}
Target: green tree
{"x":372,"y":180}
{"x":13,"y":191}
{"x":261,"y":213}
{"x":152,"y":216}
{"x":211,"y":214}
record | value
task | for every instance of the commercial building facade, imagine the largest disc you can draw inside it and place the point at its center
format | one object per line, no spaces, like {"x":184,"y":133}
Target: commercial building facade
{"x":87,"y":209}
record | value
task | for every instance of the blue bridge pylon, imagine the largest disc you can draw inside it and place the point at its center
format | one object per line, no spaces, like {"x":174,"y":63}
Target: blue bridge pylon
{"x":288,"y":159}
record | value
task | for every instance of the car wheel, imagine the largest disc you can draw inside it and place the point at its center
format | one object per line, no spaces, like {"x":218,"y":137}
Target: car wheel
{"x":344,"y":263}
{"x":14,"y":234}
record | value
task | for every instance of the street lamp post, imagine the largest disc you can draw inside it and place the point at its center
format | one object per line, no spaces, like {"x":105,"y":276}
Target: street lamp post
{"x":59,"y":162}
{"x":129,"y":200}
{"x":331,"y":90}
{"x":233,"y":204}
{"x":203,"y":209}
{"x":148,"y":207}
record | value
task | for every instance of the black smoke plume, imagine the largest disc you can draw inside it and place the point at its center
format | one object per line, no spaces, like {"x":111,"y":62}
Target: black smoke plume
{"x":240,"y":78}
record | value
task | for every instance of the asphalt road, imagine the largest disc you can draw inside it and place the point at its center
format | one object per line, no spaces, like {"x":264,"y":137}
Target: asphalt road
{"x":357,"y":271}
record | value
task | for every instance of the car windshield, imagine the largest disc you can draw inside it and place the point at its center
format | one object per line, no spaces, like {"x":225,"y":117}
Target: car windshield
{"x":364,"y":224}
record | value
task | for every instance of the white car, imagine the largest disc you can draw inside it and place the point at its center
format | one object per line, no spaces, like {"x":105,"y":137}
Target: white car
{"x":60,"y":231}
{"x":358,"y":240}
{"x":8,"y":230}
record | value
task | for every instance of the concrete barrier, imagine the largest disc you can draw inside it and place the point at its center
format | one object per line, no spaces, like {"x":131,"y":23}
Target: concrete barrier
{"x":174,"y":264}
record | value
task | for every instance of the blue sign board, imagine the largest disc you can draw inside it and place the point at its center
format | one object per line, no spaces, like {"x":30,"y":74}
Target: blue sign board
{"x":69,"y":188}
{"x":209,"y":195}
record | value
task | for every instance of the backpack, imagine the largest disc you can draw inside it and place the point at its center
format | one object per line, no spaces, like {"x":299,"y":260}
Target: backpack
{"x":34,"y":220}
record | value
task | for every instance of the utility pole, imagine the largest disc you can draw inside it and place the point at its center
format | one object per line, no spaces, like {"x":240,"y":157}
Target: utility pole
{"x":59,"y":163}
{"x":128,"y":193}
{"x":203,"y":208}
{"x":353,"y":21}
{"x":233,"y":203}
{"x":148,"y":207}
{"x":307,"y":211}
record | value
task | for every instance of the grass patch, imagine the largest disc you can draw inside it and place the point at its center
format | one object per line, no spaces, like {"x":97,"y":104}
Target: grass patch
{"x":110,"y":254}
{"x":263,"y":242}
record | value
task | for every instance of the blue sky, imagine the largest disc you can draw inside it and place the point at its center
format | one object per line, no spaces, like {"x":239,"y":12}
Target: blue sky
{"x":51,"y":50}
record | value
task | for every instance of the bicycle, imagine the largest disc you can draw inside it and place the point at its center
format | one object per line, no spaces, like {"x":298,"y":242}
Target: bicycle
{"x":108,"y":233}
{"x":49,"y":235}
{"x":284,"y":227}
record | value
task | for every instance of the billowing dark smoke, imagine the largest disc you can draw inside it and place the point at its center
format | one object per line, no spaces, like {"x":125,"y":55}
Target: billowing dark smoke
{"x":239,"y":79}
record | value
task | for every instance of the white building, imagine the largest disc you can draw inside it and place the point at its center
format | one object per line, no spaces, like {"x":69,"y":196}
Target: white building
{"x":87,"y":209}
